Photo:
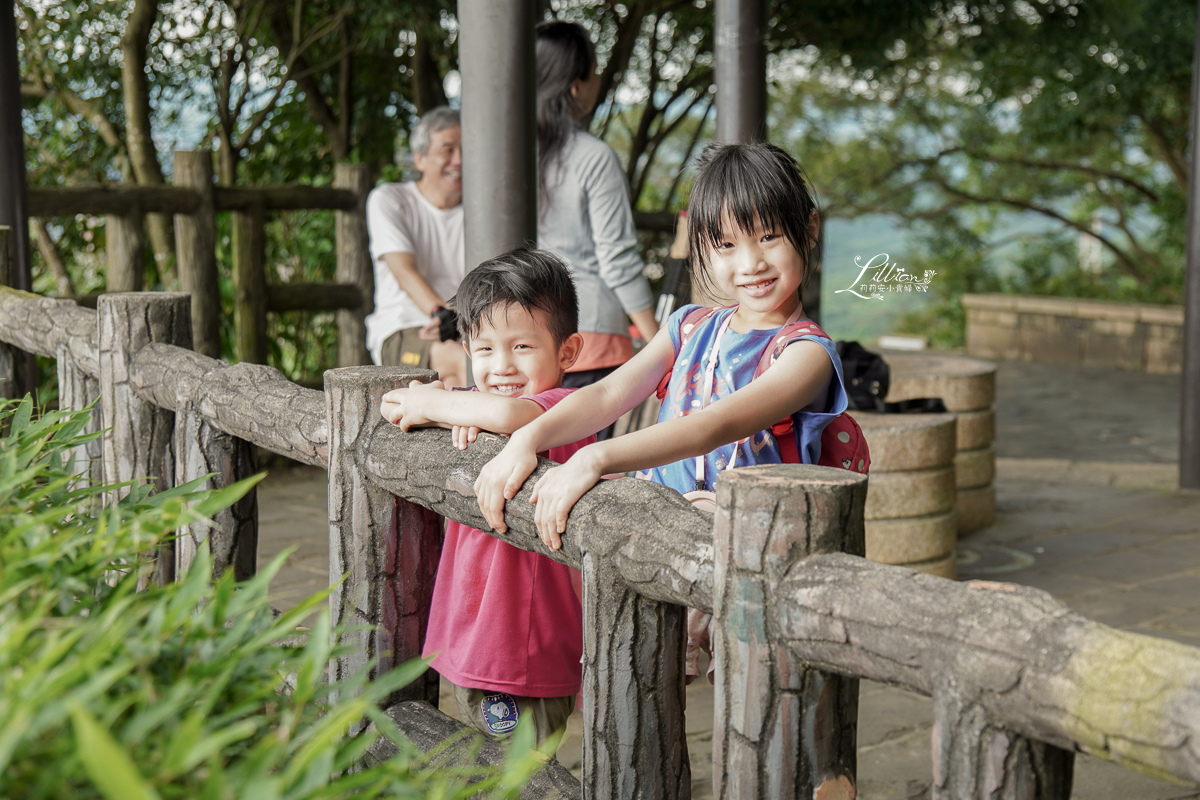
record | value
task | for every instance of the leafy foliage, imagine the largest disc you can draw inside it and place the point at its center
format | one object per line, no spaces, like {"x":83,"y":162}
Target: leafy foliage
{"x":191,"y":690}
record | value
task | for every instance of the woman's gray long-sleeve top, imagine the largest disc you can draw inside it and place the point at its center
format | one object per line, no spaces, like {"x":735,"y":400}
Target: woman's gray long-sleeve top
{"x":588,"y":222}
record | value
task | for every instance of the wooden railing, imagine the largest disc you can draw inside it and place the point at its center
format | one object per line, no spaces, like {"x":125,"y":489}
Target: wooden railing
{"x":194,"y":201}
{"x":1019,"y":681}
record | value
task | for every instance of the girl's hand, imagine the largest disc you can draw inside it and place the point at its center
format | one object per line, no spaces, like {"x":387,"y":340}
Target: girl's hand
{"x":557,"y":492}
{"x":463,"y":435}
{"x":501,"y":479}
{"x":407,"y":407}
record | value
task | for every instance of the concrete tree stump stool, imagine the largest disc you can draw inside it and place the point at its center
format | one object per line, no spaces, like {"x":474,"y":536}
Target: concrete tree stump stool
{"x":388,"y":546}
{"x":968,"y":387}
{"x":781,"y":731}
{"x":910,"y":511}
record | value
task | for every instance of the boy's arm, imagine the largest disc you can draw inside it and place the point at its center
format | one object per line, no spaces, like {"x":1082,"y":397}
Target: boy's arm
{"x":428,"y":404}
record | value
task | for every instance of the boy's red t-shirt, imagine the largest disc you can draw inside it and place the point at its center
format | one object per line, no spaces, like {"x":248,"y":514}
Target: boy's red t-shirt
{"x":504,"y":619}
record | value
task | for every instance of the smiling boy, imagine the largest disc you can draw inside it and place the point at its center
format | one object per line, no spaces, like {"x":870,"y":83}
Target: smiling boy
{"x":506,"y":624}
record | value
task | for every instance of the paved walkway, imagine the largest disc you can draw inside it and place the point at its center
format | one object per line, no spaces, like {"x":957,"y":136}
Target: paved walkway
{"x":1115,"y":542}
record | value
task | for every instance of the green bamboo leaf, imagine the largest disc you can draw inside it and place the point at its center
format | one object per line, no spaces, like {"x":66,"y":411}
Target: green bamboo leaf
{"x":106,"y":762}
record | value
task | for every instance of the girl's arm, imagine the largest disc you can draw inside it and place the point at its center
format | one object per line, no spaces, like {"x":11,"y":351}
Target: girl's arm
{"x":799,"y":377}
{"x":580,"y":415}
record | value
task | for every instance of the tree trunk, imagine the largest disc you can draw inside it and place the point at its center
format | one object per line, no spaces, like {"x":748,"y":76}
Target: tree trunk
{"x":139,"y":140}
{"x":354,"y":265}
{"x":249,"y":285}
{"x":76,"y":389}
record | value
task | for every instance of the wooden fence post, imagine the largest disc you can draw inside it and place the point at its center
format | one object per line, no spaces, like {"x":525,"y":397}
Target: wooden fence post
{"x":250,"y":283}
{"x":973,"y":758}
{"x":126,"y":250}
{"x":75,"y":390}
{"x":200,"y":449}
{"x":781,"y":731}
{"x":138,"y":442}
{"x":634,"y":742}
{"x":354,"y":264}
{"x":195,"y":250}
{"x":8,"y":273}
{"x":388,"y":546}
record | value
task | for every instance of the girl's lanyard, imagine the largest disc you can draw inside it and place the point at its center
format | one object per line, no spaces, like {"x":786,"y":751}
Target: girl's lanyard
{"x":710,"y":372}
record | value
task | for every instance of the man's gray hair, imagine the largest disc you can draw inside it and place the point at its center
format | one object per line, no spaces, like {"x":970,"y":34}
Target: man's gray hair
{"x":437,"y":119}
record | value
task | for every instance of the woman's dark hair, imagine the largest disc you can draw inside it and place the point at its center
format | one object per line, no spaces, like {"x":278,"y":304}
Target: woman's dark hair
{"x":531,"y":279}
{"x":565,"y":54}
{"x":748,"y":183}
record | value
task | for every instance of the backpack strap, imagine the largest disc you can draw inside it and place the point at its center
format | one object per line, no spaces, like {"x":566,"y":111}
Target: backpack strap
{"x":687,"y":326}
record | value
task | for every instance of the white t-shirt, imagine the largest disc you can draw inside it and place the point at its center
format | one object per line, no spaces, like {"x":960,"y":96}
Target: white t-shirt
{"x":401,"y":220}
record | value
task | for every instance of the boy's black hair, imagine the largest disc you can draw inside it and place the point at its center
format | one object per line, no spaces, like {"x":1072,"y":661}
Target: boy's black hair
{"x":749,"y":182}
{"x":525,"y":276}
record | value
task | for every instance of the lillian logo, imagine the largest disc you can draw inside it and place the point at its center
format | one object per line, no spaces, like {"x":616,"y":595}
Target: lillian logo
{"x":880,"y":274}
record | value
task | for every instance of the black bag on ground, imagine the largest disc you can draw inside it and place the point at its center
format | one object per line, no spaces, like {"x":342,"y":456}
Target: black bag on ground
{"x":867,"y":378}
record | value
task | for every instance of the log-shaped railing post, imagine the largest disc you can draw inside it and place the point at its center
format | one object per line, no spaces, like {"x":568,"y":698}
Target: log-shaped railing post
{"x":8,"y":273}
{"x":634,"y":742}
{"x":354,"y":264}
{"x":388,"y":548}
{"x":781,"y":731}
{"x":138,"y":440}
{"x":201,"y":449}
{"x":76,"y":389}
{"x":125,"y":239}
{"x":195,"y":250}
{"x":250,"y":283}
{"x":974,"y":759}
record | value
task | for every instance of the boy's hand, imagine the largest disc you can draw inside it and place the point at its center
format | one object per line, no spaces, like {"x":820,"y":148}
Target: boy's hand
{"x":463,"y":435}
{"x":407,"y":408}
{"x":557,"y":492}
{"x":501,"y":479}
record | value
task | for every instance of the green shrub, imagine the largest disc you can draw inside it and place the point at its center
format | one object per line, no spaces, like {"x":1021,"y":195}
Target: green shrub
{"x":190,"y":690}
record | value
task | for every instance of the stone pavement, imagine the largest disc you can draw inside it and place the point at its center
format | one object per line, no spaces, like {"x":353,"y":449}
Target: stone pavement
{"x":1111,"y":539}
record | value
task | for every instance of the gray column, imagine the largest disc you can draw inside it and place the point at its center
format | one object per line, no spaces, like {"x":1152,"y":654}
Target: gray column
{"x":195,"y":250}
{"x":76,"y":389}
{"x":387,"y":548}
{"x":138,"y":443}
{"x":126,"y":251}
{"x":741,"y":69}
{"x":1189,"y":421}
{"x":781,"y":731}
{"x":354,"y":264}
{"x":496,"y":59}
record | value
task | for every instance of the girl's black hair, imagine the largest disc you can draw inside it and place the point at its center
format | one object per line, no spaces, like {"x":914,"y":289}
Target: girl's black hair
{"x":525,"y":276}
{"x":748,"y":183}
{"x":565,"y":54}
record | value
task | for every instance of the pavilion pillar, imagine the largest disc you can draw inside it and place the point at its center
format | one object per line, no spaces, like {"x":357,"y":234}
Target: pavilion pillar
{"x":741,"y":70}
{"x":1189,"y":416}
{"x":499,"y":125}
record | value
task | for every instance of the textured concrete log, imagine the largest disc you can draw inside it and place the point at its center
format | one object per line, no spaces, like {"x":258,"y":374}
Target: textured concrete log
{"x":429,"y":729}
{"x":8,"y":267}
{"x":781,"y":730}
{"x":138,"y":443}
{"x":248,"y":243}
{"x":195,"y":250}
{"x":633,"y":689}
{"x":249,"y":401}
{"x":76,"y":390}
{"x":973,"y":758}
{"x":1034,"y":667}
{"x":354,"y":264}
{"x":71,"y":200}
{"x":202,"y":449}
{"x":313,"y":297}
{"x":387,"y":547}
{"x":658,"y":543}
{"x":42,"y":325}
{"x":125,"y":247}
{"x":296,"y":197}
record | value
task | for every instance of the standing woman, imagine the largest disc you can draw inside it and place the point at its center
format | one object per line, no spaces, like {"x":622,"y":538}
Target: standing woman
{"x":584,"y":213}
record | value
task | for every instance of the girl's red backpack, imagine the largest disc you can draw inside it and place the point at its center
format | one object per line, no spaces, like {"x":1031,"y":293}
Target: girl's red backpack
{"x":842,"y":442}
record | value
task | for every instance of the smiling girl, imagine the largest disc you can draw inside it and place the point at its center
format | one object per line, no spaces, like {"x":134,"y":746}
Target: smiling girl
{"x":753,"y":233}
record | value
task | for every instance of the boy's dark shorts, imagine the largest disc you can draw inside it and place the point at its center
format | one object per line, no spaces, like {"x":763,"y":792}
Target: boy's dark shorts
{"x":495,"y":714}
{"x":405,"y":348}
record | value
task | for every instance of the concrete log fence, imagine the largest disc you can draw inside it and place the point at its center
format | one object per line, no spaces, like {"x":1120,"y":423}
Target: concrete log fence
{"x":1019,"y":682}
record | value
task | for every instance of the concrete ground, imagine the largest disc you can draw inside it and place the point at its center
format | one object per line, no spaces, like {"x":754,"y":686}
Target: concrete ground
{"x":1087,"y":510}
